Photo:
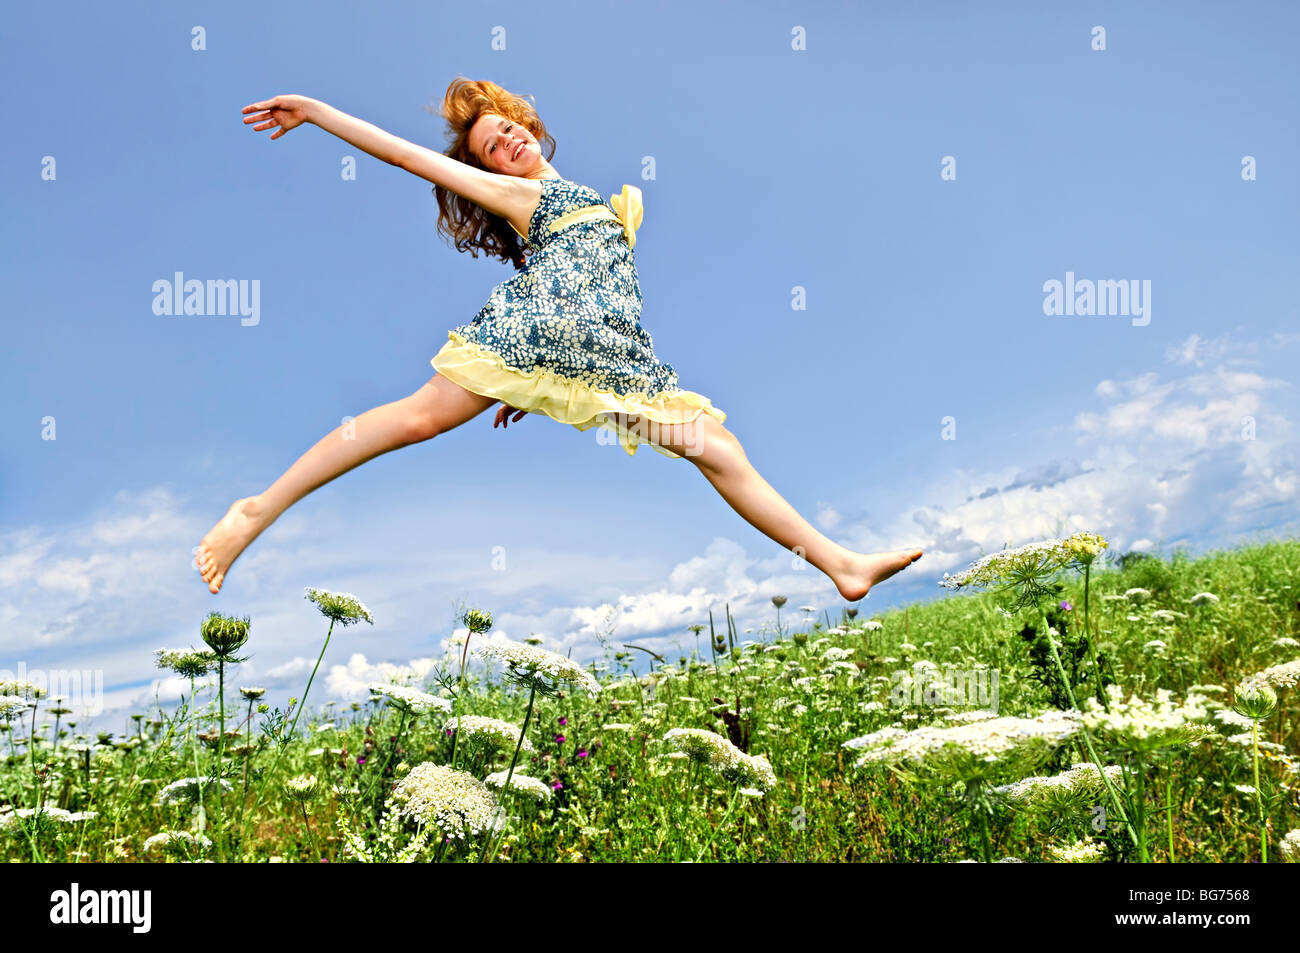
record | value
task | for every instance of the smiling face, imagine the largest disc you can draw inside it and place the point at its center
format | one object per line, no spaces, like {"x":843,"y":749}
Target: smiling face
{"x":504,"y":146}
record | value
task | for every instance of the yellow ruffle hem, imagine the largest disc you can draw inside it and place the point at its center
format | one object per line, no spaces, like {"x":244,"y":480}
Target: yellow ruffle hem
{"x":570,"y":401}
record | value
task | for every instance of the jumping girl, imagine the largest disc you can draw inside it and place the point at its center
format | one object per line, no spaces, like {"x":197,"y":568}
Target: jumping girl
{"x":562,"y":337}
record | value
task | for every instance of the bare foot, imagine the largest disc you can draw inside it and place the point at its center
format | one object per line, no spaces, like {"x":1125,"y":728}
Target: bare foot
{"x":867,"y":570}
{"x":225,"y":541}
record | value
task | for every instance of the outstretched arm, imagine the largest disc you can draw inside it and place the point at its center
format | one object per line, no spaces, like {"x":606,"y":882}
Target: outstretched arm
{"x":499,"y":194}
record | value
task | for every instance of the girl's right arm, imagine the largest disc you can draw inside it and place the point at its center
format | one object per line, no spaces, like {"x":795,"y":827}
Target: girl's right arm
{"x":500,"y":194}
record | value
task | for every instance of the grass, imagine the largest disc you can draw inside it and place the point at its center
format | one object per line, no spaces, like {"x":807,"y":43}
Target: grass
{"x":620,"y":793}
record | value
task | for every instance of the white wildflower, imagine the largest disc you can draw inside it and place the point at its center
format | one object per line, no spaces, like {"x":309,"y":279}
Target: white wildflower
{"x":454,"y":801}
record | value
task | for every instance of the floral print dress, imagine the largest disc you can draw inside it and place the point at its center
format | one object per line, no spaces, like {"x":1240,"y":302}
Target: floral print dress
{"x":563,"y":336}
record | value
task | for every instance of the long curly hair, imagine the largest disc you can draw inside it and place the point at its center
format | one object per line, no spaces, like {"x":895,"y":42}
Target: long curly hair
{"x":470,"y":226}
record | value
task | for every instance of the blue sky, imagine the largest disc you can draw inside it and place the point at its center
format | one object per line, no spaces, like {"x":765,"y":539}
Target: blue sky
{"x":775,"y":168}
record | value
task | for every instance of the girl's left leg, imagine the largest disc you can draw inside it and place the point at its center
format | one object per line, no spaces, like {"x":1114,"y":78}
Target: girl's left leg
{"x":435,"y":408}
{"x":719,"y":456}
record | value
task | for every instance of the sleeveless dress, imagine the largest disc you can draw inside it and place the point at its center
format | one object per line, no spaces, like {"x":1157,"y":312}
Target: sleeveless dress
{"x":563,"y":336}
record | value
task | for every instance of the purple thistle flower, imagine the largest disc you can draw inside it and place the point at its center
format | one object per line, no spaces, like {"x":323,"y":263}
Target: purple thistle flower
{"x":361,"y":759}
{"x":556,"y":786}
{"x":1066,"y":605}
{"x":582,"y":752}
{"x":559,"y":739}
{"x":563,"y":722}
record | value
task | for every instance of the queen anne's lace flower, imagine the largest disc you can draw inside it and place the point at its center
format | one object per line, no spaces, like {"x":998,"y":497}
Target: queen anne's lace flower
{"x":187,"y":663}
{"x":536,"y":667}
{"x":1290,"y":845}
{"x":176,"y":840}
{"x":716,"y":752}
{"x":341,"y":607}
{"x":1025,"y":563}
{"x":10,"y":818}
{"x":1082,"y":778}
{"x":1138,"y":725}
{"x":491,"y":731}
{"x":521,"y":784}
{"x":969,"y":750}
{"x":1278,"y":676}
{"x":21,"y":688}
{"x":1085,"y":851}
{"x":410,"y":700}
{"x":186,"y":790}
{"x":454,"y":801}
{"x":11,"y":705}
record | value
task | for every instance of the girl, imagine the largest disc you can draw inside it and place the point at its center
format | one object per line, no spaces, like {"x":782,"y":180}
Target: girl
{"x":561,"y":337}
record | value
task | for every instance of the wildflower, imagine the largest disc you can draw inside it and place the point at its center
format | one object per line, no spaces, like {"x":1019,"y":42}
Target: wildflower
{"x":1081,"y":779}
{"x":44,"y":817}
{"x":968,"y":751}
{"x":1025,"y":569}
{"x":1155,"y":645}
{"x":1286,"y":642}
{"x":559,"y":739}
{"x":490,"y":731}
{"x":778,"y":601}
{"x":1167,"y":615}
{"x":1278,"y":676}
{"x":582,"y":752}
{"x":455,"y":802}
{"x":1289,"y":846}
{"x":11,"y":705}
{"x":1141,"y":726}
{"x":1204,"y":599}
{"x":477,"y":620}
{"x":1232,"y":719}
{"x":252,"y":694}
{"x":1086,"y":851}
{"x":563,"y":722}
{"x":21,"y":688}
{"x":538,"y":668}
{"x":186,"y":790}
{"x":873,"y":625}
{"x":716,"y":752}
{"x":176,"y":840}
{"x":224,"y":635}
{"x":341,"y":607}
{"x":1066,"y":606}
{"x":1245,"y":788}
{"x":1137,"y":594}
{"x":187,"y":663}
{"x":616,"y":726}
{"x":520,"y":784}
{"x":410,"y":700}
{"x":1255,"y":700}
{"x":302,"y":788}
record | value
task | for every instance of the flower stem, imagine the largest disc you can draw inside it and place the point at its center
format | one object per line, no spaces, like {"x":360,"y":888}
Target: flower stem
{"x":505,"y":788}
{"x":286,"y":738}
{"x":1087,"y":738}
{"x":1259,"y":795}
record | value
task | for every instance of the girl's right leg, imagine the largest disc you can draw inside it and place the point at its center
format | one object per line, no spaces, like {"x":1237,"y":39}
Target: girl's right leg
{"x":435,"y":408}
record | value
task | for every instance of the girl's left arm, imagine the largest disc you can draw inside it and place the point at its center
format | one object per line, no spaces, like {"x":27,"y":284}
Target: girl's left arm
{"x":498,"y":194}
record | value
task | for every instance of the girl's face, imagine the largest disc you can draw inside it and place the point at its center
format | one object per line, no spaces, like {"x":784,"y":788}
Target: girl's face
{"x":503,"y":145}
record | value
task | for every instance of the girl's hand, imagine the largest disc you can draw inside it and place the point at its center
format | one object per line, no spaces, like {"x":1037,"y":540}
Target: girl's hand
{"x":503,"y":415}
{"x":287,"y":112}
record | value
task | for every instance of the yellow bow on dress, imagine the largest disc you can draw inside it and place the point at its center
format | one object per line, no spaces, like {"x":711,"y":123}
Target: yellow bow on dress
{"x":627,"y":210}
{"x":627,"y":205}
